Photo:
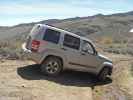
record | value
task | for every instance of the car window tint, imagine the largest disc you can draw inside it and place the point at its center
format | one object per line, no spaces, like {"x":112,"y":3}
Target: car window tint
{"x":71,"y":42}
{"x":51,"y":36}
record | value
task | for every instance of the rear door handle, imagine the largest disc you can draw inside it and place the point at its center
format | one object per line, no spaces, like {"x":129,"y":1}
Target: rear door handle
{"x":63,"y":48}
{"x":82,"y":53}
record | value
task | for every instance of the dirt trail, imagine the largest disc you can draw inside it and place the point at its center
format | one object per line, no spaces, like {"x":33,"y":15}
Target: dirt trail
{"x":121,"y":86}
{"x":19,"y":81}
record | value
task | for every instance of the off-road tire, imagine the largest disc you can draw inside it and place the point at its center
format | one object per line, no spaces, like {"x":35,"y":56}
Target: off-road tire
{"x":52,"y":66}
{"x":103,"y":74}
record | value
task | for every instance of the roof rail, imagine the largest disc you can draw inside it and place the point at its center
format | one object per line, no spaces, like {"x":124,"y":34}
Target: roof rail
{"x":54,"y":26}
{"x":50,"y":25}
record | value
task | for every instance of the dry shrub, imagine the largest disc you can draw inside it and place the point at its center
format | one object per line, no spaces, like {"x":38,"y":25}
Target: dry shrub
{"x":106,"y":40}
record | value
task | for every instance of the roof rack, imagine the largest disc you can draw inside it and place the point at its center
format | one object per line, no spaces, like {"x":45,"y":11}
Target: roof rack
{"x":55,"y":27}
{"x":50,"y":25}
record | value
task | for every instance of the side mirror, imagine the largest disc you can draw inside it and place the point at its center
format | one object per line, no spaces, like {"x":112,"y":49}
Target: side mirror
{"x":84,"y":50}
{"x":131,"y":30}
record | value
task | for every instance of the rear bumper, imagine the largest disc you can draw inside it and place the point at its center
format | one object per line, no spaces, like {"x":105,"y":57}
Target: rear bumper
{"x":36,"y":57}
{"x":25,"y":49}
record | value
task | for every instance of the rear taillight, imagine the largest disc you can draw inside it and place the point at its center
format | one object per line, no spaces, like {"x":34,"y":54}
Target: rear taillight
{"x":35,"y":45}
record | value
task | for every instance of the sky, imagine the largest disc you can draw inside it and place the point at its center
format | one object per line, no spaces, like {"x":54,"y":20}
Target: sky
{"x":13,"y":12}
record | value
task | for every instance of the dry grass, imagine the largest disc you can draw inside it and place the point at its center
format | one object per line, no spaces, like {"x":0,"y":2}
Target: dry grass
{"x":121,"y":87}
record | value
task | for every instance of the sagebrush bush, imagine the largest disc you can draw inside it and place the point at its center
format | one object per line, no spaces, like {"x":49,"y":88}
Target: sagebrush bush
{"x":119,"y":49}
{"x":131,"y":69}
{"x":12,"y":50}
{"x":106,"y":40}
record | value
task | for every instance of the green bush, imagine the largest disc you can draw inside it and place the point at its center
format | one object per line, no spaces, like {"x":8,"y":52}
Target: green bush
{"x":131,"y":69}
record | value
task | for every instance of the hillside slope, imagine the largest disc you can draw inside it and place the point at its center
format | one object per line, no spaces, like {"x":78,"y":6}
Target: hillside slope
{"x":116,"y":26}
{"x":110,"y":31}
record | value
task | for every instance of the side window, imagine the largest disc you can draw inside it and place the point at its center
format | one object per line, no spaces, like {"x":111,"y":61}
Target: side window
{"x":51,"y":36}
{"x":71,"y":41}
{"x":87,"y":47}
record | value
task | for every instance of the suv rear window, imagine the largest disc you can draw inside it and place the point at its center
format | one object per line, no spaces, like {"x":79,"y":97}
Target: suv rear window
{"x":51,"y":36}
{"x":71,"y":42}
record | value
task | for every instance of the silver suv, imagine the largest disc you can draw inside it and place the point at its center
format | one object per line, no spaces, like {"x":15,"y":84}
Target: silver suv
{"x":57,"y":50}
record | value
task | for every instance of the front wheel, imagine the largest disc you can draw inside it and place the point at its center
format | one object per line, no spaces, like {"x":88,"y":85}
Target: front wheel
{"x":103,"y":74}
{"x":52,"y":66}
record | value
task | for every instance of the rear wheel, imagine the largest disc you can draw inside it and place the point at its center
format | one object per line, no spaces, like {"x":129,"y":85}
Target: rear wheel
{"x":103,"y":74}
{"x":52,"y":66}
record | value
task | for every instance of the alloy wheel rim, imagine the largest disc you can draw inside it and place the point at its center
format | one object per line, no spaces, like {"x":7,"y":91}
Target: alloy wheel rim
{"x":52,"y":67}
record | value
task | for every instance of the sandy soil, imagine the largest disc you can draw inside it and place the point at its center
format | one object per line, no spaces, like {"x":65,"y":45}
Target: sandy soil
{"x":122,"y":81}
{"x":22,"y":80}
